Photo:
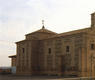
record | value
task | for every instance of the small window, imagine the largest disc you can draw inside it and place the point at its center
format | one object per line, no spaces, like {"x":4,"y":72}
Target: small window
{"x":92,"y":46}
{"x":49,"y":50}
{"x":23,"y":50}
{"x":67,"y":48}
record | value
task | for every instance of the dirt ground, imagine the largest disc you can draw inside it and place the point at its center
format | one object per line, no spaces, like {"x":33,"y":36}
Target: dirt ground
{"x":16,"y":77}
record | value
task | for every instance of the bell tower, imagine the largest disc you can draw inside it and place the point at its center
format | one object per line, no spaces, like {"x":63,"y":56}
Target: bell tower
{"x":93,"y":20}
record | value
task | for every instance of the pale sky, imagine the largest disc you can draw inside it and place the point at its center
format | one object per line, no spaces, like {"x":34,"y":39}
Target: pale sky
{"x":19,"y":17}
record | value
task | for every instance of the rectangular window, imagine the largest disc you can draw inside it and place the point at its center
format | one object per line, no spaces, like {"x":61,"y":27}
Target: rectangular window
{"x":67,"y":48}
{"x":49,"y":50}
{"x":23,"y":50}
{"x":92,"y":46}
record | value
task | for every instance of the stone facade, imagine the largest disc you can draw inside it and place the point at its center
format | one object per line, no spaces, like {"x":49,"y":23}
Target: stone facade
{"x":47,"y":53}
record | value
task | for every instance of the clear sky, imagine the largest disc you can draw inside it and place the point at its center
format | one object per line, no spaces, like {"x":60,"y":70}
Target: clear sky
{"x":19,"y":17}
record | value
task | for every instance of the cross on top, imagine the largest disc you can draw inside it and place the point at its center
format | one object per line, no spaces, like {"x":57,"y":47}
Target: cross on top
{"x":43,"y":24}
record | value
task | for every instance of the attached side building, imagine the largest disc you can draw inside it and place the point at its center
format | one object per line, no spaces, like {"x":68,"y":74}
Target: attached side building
{"x":13,"y":60}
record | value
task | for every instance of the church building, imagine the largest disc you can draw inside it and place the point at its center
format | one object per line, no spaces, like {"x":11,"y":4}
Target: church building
{"x":44,"y":52}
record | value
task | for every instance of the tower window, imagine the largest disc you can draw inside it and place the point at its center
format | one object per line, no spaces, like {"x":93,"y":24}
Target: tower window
{"x":67,"y":48}
{"x":92,"y":46}
{"x":23,"y":50}
{"x":49,"y":50}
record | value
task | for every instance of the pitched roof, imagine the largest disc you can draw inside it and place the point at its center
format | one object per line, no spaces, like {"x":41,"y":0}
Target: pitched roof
{"x":43,"y":30}
{"x":70,"y":33}
{"x":74,"y":32}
